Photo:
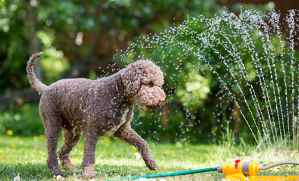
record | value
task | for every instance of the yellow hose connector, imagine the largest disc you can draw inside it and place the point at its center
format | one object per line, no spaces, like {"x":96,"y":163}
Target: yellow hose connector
{"x":253,"y":168}
{"x":239,"y":170}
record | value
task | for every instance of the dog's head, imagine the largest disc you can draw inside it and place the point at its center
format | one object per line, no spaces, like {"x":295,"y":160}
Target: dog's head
{"x":143,"y":80}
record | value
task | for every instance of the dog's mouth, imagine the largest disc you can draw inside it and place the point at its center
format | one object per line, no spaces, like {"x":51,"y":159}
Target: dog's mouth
{"x":152,"y":107}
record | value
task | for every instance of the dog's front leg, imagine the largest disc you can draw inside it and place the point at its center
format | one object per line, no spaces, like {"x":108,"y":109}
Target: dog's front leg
{"x":90,"y":142}
{"x":128,"y":135}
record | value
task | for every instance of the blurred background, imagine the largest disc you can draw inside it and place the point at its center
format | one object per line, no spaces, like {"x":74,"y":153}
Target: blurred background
{"x":80,"y":39}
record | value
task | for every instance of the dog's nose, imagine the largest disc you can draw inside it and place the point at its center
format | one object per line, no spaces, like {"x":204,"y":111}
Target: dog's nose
{"x":162,"y":99}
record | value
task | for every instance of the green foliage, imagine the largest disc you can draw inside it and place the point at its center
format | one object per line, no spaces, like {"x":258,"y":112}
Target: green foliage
{"x":58,"y":23}
{"x":92,"y":75}
{"x":23,"y":120}
{"x":196,"y":89}
{"x":149,"y":125}
{"x":232,"y":63}
{"x":53,"y":62}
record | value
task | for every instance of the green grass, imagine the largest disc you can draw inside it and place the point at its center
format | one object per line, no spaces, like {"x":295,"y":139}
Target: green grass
{"x":27,"y":156}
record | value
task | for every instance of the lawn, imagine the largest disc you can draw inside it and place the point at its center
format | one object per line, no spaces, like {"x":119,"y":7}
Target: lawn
{"x":26,"y":156}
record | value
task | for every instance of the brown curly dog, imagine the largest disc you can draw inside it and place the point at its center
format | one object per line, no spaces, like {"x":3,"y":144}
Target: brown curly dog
{"x":100,"y":108}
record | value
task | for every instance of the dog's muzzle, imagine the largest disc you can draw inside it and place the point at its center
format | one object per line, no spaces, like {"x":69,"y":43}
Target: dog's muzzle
{"x":161,"y":101}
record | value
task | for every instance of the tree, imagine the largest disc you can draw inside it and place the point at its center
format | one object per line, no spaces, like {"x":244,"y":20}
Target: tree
{"x":86,"y":33}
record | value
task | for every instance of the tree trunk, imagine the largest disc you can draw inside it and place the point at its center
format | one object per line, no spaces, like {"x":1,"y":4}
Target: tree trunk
{"x":33,"y":40}
{"x":237,"y":119}
{"x":165,"y":115}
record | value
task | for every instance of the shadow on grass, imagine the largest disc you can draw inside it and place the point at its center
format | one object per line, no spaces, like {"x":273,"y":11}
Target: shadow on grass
{"x":115,"y":172}
{"x":103,"y":172}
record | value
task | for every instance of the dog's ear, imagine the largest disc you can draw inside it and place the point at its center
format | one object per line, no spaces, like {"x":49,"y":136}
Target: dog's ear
{"x":132,"y":78}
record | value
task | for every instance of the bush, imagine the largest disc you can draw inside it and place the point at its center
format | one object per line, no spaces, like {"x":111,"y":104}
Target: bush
{"x":227,"y":69}
{"x":24,"y":120}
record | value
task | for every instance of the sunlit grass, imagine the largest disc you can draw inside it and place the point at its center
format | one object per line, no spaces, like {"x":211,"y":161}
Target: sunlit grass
{"x":27,"y":157}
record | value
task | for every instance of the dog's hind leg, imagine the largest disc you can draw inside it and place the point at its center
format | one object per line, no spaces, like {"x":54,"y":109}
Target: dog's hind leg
{"x":52,"y":122}
{"x":90,"y":143}
{"x":70,"y":139}
{"x":52,"y":134}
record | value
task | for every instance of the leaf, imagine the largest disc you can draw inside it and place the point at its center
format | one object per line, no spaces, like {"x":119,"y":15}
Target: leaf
{"x":1,"y":171}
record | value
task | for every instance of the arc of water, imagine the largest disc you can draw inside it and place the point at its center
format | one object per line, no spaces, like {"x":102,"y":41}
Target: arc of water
{"x":241,"y":66}
{"x":269,"y":54}
{"x":274,"y":21}
{"x":233,"y":76}
{"x":272,"y":82}
{"x":275,"y":17}
{"x":252,"y":92}
{"x":260,"y":114}
{"x":291,"y":24}
{"x":233,"y":97}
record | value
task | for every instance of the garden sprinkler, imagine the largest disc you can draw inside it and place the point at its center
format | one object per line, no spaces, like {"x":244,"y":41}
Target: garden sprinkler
{"x":235,"y":171}
{"x":248,"y":171}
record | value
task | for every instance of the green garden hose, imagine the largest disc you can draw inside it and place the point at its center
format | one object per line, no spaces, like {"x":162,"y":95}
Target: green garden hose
{"x":168,"y":174}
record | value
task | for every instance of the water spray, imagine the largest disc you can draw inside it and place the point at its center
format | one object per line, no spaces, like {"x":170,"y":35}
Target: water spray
{"x":236,"y":171}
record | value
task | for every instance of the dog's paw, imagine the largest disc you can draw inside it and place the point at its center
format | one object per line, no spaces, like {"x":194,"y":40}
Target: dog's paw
{"x":57,"y":172}
{"x":88,"y":172}
{"x":69,"y":166}
{"x":151,"y":164}
{"x":88,"y":176}
{"x":60,"y":175}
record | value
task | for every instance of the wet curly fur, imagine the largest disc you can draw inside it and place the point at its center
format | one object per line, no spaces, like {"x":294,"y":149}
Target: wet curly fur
{"x":100,"y":108}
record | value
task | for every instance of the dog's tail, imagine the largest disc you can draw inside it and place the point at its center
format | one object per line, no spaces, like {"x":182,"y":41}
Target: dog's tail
{"x":35,"y":83}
